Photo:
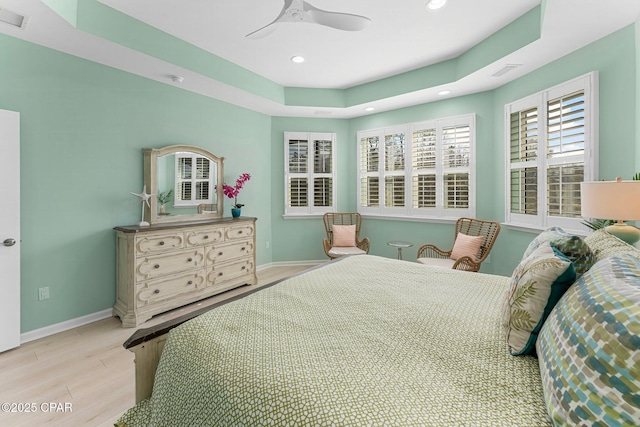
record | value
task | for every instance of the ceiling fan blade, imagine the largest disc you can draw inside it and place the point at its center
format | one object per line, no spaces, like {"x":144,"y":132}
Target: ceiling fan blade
{"x":261,"y":32}
{"x":338,"y":20}
{"x":301,"y":11}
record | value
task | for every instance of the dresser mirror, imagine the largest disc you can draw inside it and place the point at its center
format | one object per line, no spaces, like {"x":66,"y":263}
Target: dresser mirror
{"x":184,"y":182}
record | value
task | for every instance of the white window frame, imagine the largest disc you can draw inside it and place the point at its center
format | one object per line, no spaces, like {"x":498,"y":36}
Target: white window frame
{"x":587,"y":83}
{"x":311,"y":210}
{"x":409,"y":212}
{"x":192,"y":202}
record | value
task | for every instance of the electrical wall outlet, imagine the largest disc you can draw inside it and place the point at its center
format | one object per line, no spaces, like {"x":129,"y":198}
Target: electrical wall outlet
{"x":267,"y":244}
{"x":43,"y":293}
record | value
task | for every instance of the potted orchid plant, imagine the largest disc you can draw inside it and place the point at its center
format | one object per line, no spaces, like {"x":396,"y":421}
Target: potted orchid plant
{"x":233,"y":191}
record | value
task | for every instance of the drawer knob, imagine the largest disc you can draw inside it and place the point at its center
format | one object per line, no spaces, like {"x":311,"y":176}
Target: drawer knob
{"x":156,"y":266}
{"x":239,"y":231}
{"x":206,"y":237}
{"x":220,"y":253}
{"x":161,"y":243}
{"x":220,"y":274}
{"x":157,"y":291}
{"x":189,"y":259}
{"x":190,"y":282}
{"x":243,"y":248}
{"x":243,"y":267}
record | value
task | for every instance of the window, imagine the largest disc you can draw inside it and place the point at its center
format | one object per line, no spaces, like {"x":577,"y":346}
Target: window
{"x":309,"y":173}
{"x":193,"y":180}
{"x":422,"y":170}
{"x":552,"y":147}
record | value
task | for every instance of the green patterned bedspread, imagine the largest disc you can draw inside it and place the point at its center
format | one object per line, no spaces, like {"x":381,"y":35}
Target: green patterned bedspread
{"x":365,"y":341}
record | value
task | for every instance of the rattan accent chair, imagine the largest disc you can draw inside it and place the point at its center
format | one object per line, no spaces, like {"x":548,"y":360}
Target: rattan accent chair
{"x":343,"y":218}
{"x":432,"y":255}
{"x":204,"y":207}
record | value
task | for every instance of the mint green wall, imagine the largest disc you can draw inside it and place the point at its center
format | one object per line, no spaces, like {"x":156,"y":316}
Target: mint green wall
{"x":292,"y":237}
{"x":82,"y":128}
{"x":301,"y":239}
{"x":382,"y":231}
{"x":614,"y":59}
{"x":83,"y":125}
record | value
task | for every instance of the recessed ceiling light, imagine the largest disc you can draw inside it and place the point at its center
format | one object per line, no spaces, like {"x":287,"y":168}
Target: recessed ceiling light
{"x":444,"y":92}
{"x":368,"y":109}
{"x":297,"y":59}
{"x":436,"y":4}
{"x":177,"y":79}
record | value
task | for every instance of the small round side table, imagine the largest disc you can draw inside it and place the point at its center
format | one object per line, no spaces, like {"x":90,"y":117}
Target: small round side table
{"x":400,"y":244}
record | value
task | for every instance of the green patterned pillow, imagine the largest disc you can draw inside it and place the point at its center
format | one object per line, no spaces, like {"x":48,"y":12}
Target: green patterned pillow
{"x":589,"y":348}
{"x":537,"y":284}
{"x":604,"y":245}
{"x":572,"y":246}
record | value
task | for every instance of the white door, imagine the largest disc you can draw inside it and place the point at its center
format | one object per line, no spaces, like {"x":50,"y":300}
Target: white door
{"x":9,"y":229}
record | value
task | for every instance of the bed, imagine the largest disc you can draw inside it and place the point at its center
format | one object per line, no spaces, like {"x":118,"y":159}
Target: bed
{"x":361,"y":341}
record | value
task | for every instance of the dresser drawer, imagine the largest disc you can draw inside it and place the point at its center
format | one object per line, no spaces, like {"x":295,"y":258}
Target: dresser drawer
{"x":233,"y":270}
{"x":164,"y":266}
{"x":159,"y":243}
{"x":170,"y":288}
{"x":160,"y":265}
{"x":238,"y":232}
{"x":223,"y":253}
{"x":200,"y":237}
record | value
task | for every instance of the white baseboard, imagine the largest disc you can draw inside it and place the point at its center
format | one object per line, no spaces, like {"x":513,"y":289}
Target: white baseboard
{"x":94,"y":317}
{"x":65,"y":326}
{"x":290,"y":264}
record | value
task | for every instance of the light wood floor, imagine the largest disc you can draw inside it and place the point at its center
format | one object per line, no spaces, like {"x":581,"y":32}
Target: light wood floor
{"x":86,"y":368}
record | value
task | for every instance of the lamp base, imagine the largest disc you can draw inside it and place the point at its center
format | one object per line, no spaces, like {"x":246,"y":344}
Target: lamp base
{"x":626,"y":233}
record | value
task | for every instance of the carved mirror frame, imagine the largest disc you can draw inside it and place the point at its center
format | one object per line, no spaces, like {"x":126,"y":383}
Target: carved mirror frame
{"x":151,"y":156}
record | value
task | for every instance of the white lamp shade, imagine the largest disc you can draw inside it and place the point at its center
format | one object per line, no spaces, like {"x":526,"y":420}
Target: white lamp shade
{"x":617,"y":200}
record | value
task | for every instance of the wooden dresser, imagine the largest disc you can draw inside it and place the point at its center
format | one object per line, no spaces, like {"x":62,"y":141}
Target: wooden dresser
{"x":165,"y":266}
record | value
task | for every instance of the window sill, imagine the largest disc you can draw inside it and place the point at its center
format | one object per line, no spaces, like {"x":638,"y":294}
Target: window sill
{"x":302,"y":216}
{"x":411,"y":218}
{"x":527,"y":228}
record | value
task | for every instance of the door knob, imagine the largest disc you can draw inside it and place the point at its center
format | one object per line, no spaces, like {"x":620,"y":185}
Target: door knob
{"x":9,"y":242}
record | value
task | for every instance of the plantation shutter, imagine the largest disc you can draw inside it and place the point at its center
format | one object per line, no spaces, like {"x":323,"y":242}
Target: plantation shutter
{"x":298,"y":156}
{"x":322,"y":168}
{"x":309,"y":173}
{"x":193,"y":180}
{"x":552,"y":147}
{"x":298,"y":164}
{"x":394,"y":191}
{"x":424,"y":168}
{"x":369,"y":168}
{"x":565,"y":154}
{"x":394,"y":170}
{"x":523,"y":151}
{"x":298,"y":192}
{"x":184,"y":178}
{"x":322,"y":192}
{"x":202,"y":179}
{"x":421,"y":170}
{"x":456,"y":166}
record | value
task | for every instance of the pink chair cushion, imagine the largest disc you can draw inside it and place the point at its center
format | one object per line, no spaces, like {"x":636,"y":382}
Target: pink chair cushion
{"x":344,"y":235}
{"x":466,"y":246}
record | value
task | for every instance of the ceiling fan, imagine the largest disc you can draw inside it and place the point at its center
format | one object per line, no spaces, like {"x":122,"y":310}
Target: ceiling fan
{"x":301,"y":11}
